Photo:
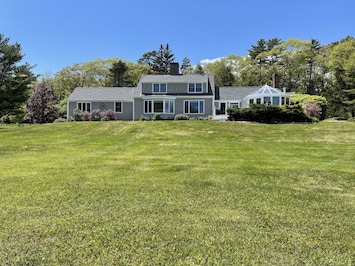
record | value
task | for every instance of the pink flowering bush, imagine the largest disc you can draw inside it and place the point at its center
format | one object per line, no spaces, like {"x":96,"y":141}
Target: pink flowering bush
{"x":313,"y":110}
{"x":108,"y":115}
{"x":85,"y":116}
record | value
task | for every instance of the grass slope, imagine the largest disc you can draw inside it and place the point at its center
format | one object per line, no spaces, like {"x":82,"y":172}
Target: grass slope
{"x":177,"y":193}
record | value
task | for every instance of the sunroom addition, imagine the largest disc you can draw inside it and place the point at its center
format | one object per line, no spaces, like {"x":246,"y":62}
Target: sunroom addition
{"x":269,"y":96}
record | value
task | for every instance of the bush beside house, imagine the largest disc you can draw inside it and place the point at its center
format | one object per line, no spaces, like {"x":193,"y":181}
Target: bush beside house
{"x":95,"y":115}
{"x":270,"y":114}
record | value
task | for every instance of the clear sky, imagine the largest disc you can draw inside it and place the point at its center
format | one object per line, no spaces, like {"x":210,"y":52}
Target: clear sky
{"x":58,"y":33}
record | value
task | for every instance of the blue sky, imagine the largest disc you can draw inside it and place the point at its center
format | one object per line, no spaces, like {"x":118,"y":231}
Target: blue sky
{"x":59,"y":33}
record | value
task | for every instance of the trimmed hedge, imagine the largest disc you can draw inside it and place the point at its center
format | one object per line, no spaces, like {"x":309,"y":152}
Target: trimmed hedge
{"x":181,"y":117}
{"x":269,"y":114}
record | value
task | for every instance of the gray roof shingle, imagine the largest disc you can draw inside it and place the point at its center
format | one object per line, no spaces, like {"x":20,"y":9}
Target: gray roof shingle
{"x":234,"y":93}
{"x":104,"y":94}
{"x":174,"y":78}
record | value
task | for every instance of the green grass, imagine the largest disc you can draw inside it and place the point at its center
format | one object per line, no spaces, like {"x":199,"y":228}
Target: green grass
{"x":177,"y":193}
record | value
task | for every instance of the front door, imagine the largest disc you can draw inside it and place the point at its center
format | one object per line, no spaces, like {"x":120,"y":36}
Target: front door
{"x":223,"y":108}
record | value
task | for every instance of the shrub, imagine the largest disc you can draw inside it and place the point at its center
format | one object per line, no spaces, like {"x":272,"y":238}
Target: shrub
{"x":304,"y":99}
{"x":77,"y":115}
{"x":202,"y":118}
{"x":181,"y":117}
{"x":156,"y":117}
{"x":269,"y":114}
{"x":108,"y":115}
{"x":144,"y":118}
{"x":85,"y":116}
{"x":313,"y":110}
{"x":60,"y":120}
{"x":5,"y":119}
{"x":95,"y":115}
{"x":295,"y":113}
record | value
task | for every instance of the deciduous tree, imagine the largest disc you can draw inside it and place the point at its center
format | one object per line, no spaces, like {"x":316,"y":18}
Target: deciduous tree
{"x":41,"y":105}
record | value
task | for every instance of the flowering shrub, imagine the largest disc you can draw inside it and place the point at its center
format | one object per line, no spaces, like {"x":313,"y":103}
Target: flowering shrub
{"x":313,"y":110}
{"x":77,"y":115}
{"x":108,"y":115}
{"x":95,"y":115}
{"x":85,"y":116}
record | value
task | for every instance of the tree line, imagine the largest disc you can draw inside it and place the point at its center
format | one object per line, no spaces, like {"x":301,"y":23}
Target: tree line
{"x":306,"y":67}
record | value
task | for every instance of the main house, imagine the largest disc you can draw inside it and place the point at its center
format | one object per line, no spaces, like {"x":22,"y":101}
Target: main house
{"x":169,"y":95}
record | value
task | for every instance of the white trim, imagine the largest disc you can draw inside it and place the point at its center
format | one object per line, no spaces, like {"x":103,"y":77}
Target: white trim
{"x":195,"y":83}
{"x":160,"y":92}
{"x":164,"y":101}
{"x":68,"y":106}
{"x":84,"y":102}
{"x":158,"y":97}
{"x":114,"y":106}
{"x":198,"y":107}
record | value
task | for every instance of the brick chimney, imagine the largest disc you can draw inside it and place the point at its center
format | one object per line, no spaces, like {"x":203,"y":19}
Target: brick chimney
{"x":174,"y":68}
{"x":275,"y":81}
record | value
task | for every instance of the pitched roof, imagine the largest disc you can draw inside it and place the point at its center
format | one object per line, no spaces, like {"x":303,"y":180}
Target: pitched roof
{"x":104,"y":94}
{"x":233,"y":93}
{"x":266,"y":89}
{"x":174,"y":78}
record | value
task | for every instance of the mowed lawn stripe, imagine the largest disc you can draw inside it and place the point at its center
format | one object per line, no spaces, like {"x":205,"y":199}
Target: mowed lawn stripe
{"x":177,"y":193}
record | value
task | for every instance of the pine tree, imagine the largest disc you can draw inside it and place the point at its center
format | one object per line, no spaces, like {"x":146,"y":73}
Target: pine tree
{"x":118,"y":74}
{"x":14,"y":77}
{"x":185,"y":65}
{"x":168,"y":58}
{"x":159,"y":61}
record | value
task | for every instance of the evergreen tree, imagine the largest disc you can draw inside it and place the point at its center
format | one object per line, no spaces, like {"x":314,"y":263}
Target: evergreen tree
{"x":168,"y":58}
{"x":15,"y":78}
{"x":272,"y":43}
{"x":342,"y":66}
{"x":258,"y":48}
{"x":41,"y":105}
{"x":159,"y":61}
{"x":118,"y":74}
{"x":185,"y":65}
{"x":224,"y":76}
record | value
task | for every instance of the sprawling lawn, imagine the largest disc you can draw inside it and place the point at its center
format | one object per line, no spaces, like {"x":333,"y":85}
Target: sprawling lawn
{"x":177,"y":193}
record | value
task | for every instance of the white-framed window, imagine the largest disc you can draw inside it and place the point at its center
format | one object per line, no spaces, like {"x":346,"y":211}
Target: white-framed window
{"x":195,"y":88}
{"x":267,"y":100}
{"x":232,"y":105}
{"x":276,"y":100}
{"x":159,"y":88}
{"x":158,"y":106}
{"x":84,"y":106}
{"x":194,"y":107}
{"x":118,"y":107}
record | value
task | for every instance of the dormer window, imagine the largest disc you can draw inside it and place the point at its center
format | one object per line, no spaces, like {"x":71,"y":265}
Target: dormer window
{"x":159,"y":88}
{"x":195,"y":88}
